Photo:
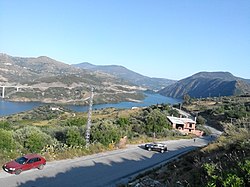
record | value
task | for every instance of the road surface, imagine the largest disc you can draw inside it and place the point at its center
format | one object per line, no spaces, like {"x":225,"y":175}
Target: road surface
{"x":103,"y":169}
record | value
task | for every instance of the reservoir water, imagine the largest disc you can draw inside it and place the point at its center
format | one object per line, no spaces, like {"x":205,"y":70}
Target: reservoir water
{"x":8,"y":108}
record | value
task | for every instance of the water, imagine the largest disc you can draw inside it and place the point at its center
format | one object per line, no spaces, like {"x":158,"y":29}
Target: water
{"x":8,"y":108}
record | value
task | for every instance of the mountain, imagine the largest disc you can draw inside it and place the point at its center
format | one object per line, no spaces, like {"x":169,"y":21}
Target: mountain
{"x":48,"y":80}
{"x":128,"y":75}
{"x":208,"y":84}
{"x":19,"y":69}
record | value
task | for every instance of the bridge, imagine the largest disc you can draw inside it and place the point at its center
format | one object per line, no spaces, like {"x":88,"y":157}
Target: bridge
{"x":3,"y":89}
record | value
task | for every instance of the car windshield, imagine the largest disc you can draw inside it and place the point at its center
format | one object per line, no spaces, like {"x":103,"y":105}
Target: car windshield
{"x":21,"y":160}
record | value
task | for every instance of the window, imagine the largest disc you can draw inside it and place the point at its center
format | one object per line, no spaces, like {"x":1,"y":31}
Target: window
{"x":32,"y":160}
{"x":21,"y":160}
{"x":37,"y":159}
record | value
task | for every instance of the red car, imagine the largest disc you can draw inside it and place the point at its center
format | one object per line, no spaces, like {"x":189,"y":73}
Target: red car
{"x":23,"y":163}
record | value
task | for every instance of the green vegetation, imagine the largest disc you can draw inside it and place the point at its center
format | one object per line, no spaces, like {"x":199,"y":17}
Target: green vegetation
{"x":74,"y":138}
{"x":223,"y":163}
{"x":57,"y":133}
{"x":6,"y":140}
{"x":74,"y":95}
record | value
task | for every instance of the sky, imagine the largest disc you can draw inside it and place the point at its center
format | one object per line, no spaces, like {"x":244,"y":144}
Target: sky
{"x":170,"y":39}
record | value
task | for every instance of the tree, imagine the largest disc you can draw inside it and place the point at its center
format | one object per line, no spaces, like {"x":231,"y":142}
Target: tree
{"x":122,"y":122}
{"x":32,"y":138}
{"x":156,"y":121}
{"x":35,"y":142}
{"x":76,"y":122}
{"x":201,"y":120}
{"x":6,"y":140}
{"x":5,"y":125}
{"x":105,"y":133}
{"x":74,"y":138}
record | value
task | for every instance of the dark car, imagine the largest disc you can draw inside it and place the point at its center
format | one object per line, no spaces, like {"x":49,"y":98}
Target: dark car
{"x":23,"y":163}
{"x":161,"y":147}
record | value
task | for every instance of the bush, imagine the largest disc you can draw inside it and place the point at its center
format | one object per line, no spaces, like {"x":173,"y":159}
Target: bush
{"x":76,"y":122}
{"x":105,"y":133}
{"x":32,"y":138}
{"x":122,"y":122}
{"x":74,"y":138}
{"x":233,"y":180}
{"x":201,"y":120}
{"x":156,"y":121}
{"x":7,"y":141}
{"x":35,"y":142}
{"x":57,"y":132}
{"x":5,"y":125}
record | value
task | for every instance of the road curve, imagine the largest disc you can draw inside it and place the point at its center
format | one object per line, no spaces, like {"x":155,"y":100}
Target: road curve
{"x":103,"y":169}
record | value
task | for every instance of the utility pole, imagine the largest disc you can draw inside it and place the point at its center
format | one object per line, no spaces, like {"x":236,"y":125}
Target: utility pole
{"x":89,"y":117}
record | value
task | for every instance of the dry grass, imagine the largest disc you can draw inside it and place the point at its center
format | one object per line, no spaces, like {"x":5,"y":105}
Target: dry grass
{"x":111,"y":113}
{"x":41,"y":123}
{"x":211,"y":147}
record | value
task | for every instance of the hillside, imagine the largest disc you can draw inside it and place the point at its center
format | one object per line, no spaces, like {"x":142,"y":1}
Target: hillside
{"x":224,"y":162}
{"x":22,"y":70}
{"x":47,"y":80}
{"x":208,"y":84}
{"x":128,"y":75}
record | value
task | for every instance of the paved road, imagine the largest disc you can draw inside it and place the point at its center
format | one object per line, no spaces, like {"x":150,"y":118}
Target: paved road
{"x":103,"y":169}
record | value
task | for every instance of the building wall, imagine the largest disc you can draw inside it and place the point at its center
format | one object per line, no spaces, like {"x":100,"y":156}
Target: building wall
{"x":189,"y":129}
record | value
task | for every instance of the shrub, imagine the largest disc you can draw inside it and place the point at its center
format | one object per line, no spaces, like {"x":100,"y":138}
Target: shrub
{"x":76,"y":122}
{"x":7,"y":141}
{"x":201,"y":120}
{"x":35,"y":142}
{"x":74,"y":138}
{"x":233,"y":180}
{"x":105,"y":133}
{"x":156,"y":121}
{"x":57,"y":132}
{"x":5,"y":125}
{"x":32,"y":138}
{"x":122,"y":122}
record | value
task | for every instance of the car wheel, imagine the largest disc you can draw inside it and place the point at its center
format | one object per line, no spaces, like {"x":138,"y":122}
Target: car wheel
{"x":162,"y":151}
{"x":149,"y":149}
{"x":41,"y":166}
{"x":17,"y":172}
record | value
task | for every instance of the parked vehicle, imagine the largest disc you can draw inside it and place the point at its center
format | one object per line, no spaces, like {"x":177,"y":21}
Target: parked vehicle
{"x":161,"y":147}
{"x":23,"y":163}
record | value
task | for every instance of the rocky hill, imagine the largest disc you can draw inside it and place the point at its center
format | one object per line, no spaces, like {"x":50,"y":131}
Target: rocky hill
{"x":208,"y":84}
{"x":47,"y":80}
{"x":21,"y":70}
{"x":128,"y":75}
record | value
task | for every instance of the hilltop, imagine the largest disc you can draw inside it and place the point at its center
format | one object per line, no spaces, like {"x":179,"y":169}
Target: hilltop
{"x":48,"y":80}
{"x":128,"y":75}
{"x":208,"y":84}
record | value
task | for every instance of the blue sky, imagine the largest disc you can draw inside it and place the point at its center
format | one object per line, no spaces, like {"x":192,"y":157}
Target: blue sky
{"x":157,"y":38}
